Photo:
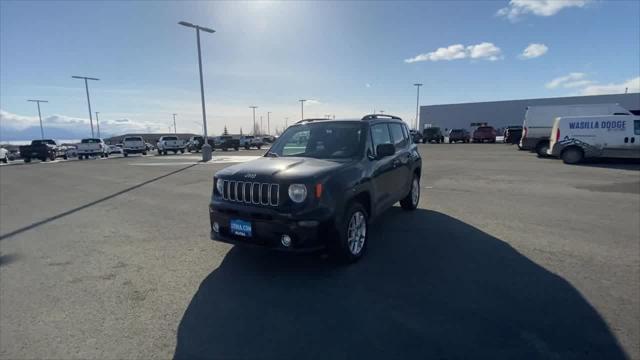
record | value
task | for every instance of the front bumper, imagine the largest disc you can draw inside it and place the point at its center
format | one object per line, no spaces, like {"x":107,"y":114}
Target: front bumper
{"x":268,"y":226}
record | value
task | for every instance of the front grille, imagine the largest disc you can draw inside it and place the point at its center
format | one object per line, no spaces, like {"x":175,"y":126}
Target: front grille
{"x":251,"y":192}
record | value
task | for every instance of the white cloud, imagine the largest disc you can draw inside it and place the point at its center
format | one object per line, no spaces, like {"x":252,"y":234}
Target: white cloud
{"x":572,"y":80}
{"x":517,"y":8}
{"x":312,"y":102}
{"x":631,"y":85}
{"x":534,"y":51}
{"x":485,"y":50}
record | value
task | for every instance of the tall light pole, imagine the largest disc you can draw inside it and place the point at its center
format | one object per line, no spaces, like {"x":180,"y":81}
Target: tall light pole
{"x":417,"y":124}
{"x":40,"y":116}
{"x":268,"y":123}
{"x":86,"y":86}
{"x":261,"y":125}
{"x":254,"y":118}
{"x":175,"y":130}
{"x":302,"y":108}
{"x":98,"y":124}
{"x":206,"y":148}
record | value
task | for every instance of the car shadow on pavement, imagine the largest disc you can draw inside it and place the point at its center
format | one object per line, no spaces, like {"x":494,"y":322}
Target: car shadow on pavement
{"x":607,"y":163}
{"x":95,"y":202}
{"x":430,"y":286}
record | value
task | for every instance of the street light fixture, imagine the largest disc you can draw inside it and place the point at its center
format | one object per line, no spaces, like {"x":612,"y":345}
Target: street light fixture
{"x":417,"y":123}
{"x":98,"y":124}
{"x":206,"y":148}
{"x":175,"y":131}
{"x":254,"y":118}
{"x":40,"y":116}
{"x":268,"y":123}
{"x":86,"y":86}
{"x":302,"y":108}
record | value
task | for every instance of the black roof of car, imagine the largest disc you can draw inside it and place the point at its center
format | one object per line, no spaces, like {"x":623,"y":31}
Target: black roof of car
{"x":370,"y":117}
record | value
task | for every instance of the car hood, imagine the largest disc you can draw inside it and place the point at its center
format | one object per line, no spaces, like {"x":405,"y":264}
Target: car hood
{"x":280,"y":169}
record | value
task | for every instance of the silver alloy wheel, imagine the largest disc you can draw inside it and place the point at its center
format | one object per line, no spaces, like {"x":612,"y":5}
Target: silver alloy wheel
{"x":356,"y":232}
{"x":415,"y":192}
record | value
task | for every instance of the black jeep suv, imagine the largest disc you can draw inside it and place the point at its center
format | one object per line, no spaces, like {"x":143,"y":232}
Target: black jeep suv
{"x":319,"y":186}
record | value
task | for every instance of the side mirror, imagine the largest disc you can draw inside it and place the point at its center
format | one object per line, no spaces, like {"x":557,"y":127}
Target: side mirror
{"x":384,"y":150}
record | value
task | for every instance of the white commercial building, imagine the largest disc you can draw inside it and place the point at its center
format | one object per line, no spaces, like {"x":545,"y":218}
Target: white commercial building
{"x":501,"y":114}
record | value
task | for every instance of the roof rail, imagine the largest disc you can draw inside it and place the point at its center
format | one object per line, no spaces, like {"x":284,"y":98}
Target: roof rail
{"x":312,"y":119}
{"x":378,"y":116}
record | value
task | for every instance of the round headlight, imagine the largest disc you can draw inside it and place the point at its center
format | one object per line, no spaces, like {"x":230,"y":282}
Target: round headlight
{"x":297,"y":192}
{"x":220,"y":186}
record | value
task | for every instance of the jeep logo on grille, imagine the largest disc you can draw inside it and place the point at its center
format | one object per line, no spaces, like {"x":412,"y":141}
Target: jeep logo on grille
{"x":250,"y":176}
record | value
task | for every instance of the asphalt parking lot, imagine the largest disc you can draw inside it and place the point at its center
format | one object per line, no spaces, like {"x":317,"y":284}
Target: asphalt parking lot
{"x":508,"y":256}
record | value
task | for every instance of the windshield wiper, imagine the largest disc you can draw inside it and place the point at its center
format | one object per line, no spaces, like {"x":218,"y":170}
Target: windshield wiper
{"x":271,"y":154}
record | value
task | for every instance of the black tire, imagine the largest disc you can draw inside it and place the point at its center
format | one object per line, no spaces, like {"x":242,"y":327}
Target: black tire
{"x":52,"y":157}
{"x":164,"y":152}
{"x":106,"y":155}
{"x":236,"y":148}
{"x":224,"y":149}
{"x":246,"y":148}
{"x":259,"y":147}
{"x":159,"y":152}
{"x":126,"y":154}
{"x":27,"y":160}
{"x":79,"y":157}
{"x":409,"y":202}
{"x":572,"y":155}
{"x":181,"y":151}
{"x":541,"y":148}
{"x":4,"y":161}
{"x":144,"y":153}
{"x":66,"y":157}
{"x":340,"y":246}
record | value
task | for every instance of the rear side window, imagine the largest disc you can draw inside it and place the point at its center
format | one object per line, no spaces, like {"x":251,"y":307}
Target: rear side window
{"x":170,"y":138}
{"x":636,"y":127}
{"x":90,"y":141}
{"x":133,"y":139}
{"x":380,"y":135}
{"x":398,"y":137}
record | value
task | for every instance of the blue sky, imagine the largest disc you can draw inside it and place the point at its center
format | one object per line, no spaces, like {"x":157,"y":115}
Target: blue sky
{"x":348,"y":57}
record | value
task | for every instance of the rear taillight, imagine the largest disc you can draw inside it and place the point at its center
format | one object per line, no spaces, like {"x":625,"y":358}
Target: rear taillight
{"x":557,"y":134}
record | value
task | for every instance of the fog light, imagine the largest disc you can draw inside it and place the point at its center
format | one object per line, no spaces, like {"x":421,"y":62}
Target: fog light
{"x":216,"y":227}
{"x":286,"y":240}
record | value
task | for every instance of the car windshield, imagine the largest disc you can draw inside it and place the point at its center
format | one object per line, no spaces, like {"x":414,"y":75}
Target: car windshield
{"x":432,"y":130}
{"x":321,"y":140}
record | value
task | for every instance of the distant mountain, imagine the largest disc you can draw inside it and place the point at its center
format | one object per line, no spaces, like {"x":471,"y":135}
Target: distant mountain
{"x":33,"y":132}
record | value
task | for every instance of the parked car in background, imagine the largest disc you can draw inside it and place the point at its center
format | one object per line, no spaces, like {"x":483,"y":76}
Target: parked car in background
{"x":4,"y":155}
{"x":575,"y":138}
{"x":133,"y":145}
{"x":512,"y":134}
{"x":92,"y":147}
{"x":195,"y":143}
{"x":321,"y":192}
{"x":484,"y":133}
{"x":459,"y":135}
{"x":44,"y":150}
{"x":226,"y":142}
{"x":538,"y":121}
{"x":432,"y":134}
{"x":115,"y":149}
{"x":416,"y":136}
{"x":71,"y":151}
{"x":149,"y":147}
{"x":249,"y":141}
{"x":170,"y":143}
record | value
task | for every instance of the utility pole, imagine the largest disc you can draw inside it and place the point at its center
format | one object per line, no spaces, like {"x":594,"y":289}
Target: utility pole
{"x":302,"y":108}
{"x":175,"y":130}
{"x":261,"y":125}
{"x":98,"y":124}
{"x":40,"y":116}
{"x":417,"y":123}
{"x":254,"y":118}
{"x":286,"y":122}
{"x":206,"y":148}
{"x":268,"y":123}
{"x":86,"y":86}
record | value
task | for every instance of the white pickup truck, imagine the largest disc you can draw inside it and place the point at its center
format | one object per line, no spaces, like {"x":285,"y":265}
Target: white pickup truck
{"x":133,"y":145}
{"x":249,"y":141}
{"x":170,"y":143}
{"x":92,"y":147}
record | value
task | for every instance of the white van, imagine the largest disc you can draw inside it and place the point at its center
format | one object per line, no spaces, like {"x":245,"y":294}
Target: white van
{"x":538,"y":121}
{"x":574,"y":138}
